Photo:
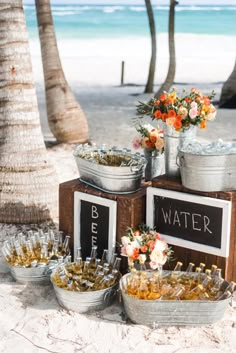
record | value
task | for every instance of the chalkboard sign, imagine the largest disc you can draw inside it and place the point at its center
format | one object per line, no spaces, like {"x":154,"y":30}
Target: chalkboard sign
{"x":194,"y":222}
{"x":94,"y":223}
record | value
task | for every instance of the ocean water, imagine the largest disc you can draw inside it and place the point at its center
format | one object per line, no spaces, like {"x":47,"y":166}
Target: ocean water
{"x":112,"y":21}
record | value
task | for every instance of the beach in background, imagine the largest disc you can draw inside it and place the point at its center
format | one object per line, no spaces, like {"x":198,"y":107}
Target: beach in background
{"x":93,"y":40}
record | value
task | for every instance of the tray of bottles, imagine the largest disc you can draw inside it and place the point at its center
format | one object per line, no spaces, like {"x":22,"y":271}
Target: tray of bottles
{"x":86,"y":286}
{"x":176,"y":298}
{"x":32,"y":257}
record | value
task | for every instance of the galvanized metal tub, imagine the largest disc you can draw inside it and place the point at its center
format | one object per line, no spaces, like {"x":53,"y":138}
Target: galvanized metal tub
{"x":85,"y":302}
{"x":173,"y":140}
{"x":208,"y":172}
{"x":113,"y":179}
{"x":34,"y":275}
{"x":174,"y":312}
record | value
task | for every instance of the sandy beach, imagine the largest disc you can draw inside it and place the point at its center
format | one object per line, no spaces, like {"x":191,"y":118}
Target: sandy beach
{"x":31,"y":319}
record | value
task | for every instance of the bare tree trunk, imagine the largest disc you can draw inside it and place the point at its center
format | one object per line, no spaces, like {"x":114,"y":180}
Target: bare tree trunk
{"x":28,"y":189}
{"x":65,"y":116}
{"x":172,"y":62}
{"x":152,"y":66}
{"x":228,"y":93}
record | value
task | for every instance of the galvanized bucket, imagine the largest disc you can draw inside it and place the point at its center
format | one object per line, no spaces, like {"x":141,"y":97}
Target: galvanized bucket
{"x":84,"y":302}
{"x":208,"y":172}
{"x":34,"y":275}
{"x":113,"y":179}
{"x":173,"y":141}
{"x":155,"y":164}
{"x":173,"y":312}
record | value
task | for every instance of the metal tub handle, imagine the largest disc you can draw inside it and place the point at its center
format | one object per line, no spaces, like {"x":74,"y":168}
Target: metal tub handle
{"x":180,"y":160}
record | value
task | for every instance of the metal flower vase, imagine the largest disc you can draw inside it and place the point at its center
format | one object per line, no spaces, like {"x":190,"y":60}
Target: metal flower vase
{"x":155,"y":164}
{"x":173,"y":140}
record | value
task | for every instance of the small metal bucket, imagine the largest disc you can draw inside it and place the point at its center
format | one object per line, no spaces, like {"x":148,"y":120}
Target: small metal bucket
{"x":155,"y":164}
{"x":34,"y":275}
{"x":84,"y":302}
{"x":208,"y":172}
{"x":172,"y":312}
{"x":173,"y":141}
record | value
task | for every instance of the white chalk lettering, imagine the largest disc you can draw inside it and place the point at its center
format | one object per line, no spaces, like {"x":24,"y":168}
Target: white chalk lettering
{"x":185,"y":218}
{"x":195,"y":222}
{"x":93,"y":228}
{"x":206,"y":224}
{"x":166,"y":216}
{"x":94,"y":240}
{"x":94,"y":212}
{"x":176,"y":219}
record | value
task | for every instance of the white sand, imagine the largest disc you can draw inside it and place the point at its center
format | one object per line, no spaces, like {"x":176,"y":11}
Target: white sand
{"x":32,"y":320}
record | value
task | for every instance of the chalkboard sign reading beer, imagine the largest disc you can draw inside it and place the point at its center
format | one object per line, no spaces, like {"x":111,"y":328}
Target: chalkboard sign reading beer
{"x":94,"y":223}
{"x":190,"y":221}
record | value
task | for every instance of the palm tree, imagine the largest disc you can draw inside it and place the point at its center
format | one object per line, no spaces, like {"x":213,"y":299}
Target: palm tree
{"x":172,"y":62}
{"x":152,"y":66}
{"x":27,"y":181}
{"x":228,"y":93}
{"x":65,"y":116}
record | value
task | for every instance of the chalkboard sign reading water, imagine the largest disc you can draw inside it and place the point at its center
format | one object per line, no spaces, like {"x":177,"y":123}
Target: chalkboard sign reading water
{"x":94,"y":223}
{"x":190,"y":221}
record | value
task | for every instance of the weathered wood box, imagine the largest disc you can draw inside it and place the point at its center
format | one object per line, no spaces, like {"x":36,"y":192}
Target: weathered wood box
{"x":130,"y":210}
{"x":227,"y":264}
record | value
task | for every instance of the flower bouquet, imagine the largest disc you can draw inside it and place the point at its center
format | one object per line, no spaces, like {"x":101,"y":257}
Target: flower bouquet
{"x":180,"y":112}
{"x":150,"y":138}
{"x":152,"y":141}
{"x":144,"y":245}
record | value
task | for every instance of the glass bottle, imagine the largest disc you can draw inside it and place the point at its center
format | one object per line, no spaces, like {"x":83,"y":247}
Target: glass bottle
{"x":93,"y":256}
{"x":104,"y":258}
{"x":202,"y":266}
{"x":213,"y":270}
{"x":8,"y":256}
{"x":65,"y":246}
{"x":143,"y":291}
{"x":190,"y":267}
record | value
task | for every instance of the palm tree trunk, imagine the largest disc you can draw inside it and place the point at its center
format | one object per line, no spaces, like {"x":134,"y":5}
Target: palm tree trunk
{"x":152,"y":66}
{"x":65,"y":116}
{"x":172,"y":62}
{"x":28,"y":189}
{"x":228,"y":93}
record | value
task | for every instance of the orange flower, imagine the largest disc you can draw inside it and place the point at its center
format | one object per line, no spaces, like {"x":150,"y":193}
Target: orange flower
{"x":157,"y":114}
{"x":144,"y":248}
{"x":137,"y":233}
{"x":157,"y":102}
{"x":171,"y":113}
{"x":164,"y":116}
{"x":177,"y":124}
{"x":151,"y":244}
{"x":163,"y":97}
{"x":188,"y":100}
{"x":203,"y":124}
{"x":135,"y":254}
{"x":179,"y":117}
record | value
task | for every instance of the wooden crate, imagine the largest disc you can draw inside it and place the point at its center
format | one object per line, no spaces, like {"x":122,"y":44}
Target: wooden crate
{"x":131,"y":208}
{"x":228,"y":265}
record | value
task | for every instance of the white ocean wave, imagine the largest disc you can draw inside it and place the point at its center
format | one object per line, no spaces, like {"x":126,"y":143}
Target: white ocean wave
{"x":204,"y":8}
{"x":137,"y":8}
{"x":110,"y":9}
{"x":64,"y":13}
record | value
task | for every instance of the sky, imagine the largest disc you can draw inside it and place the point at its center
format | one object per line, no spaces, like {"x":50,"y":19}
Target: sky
{"x":138,"y":2}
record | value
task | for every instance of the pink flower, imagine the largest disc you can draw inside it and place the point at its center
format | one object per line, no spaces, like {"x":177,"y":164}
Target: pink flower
{"x":193,"y":105}
{"x":193,"y":113}
{"x":136,"y":143}
{"x":158,"y":258}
